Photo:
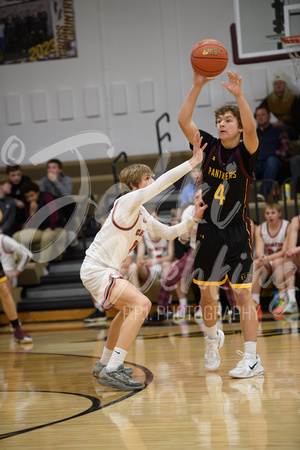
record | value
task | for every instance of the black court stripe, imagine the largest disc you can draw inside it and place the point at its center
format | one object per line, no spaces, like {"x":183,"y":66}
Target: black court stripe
{"x":94,"y":407}
{"x":96,"y":404}
{"x":193,"y":334}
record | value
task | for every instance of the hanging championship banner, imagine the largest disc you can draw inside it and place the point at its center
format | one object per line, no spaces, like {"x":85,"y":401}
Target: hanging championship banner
{"x":36,"y":30}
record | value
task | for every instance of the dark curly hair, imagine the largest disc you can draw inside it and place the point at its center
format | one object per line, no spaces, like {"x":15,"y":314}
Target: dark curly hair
{"x":29,"y":186}
{"x":233,"y":109}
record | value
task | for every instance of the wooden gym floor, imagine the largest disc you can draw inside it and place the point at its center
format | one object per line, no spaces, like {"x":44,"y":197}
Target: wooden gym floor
{"x":48,"y":398}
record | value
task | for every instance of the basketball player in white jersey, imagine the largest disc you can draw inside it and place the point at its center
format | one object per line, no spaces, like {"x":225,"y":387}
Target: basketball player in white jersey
{"x":269,"y":240}
{"x":121,"y":232}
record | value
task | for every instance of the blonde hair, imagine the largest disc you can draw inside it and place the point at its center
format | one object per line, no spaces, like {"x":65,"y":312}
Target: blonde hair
{"x":132,"y":175}
{"x":273,"y":205}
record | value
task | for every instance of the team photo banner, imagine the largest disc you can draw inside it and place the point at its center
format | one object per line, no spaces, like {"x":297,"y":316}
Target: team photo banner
{"x":36,"y":30}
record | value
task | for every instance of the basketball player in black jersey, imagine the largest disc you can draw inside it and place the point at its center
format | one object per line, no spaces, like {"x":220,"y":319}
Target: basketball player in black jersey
{"x":223,"y":239}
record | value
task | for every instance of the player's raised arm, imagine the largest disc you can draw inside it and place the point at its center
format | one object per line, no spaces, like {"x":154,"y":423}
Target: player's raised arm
{"x":249,"y":127}
{"x":139,"y":196}
{"x":185,"y":114}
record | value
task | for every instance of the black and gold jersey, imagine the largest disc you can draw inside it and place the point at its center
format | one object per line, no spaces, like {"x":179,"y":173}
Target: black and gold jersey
{"x":227,"y":175}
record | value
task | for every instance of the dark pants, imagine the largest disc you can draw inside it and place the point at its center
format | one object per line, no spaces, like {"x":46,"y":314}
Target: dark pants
{"x":295,"y":170}
{"x":269,"y":169}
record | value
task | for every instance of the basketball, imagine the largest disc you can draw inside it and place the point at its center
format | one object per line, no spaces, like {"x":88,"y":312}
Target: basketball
{"x":209,"y":58}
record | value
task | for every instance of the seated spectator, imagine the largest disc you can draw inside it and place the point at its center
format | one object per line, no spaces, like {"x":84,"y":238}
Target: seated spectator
{"x":9,"y":247}
{"x":187,"y":194}
{"x":17,"y":179}
{"x":153,"y":260}
{"x":286,"y":270}
{"x":58,"y":184}
{"x":44,"y":227}
{"x":274,"y":148}
{"x":7,"y":207}
{"x":282,"y":102}
{"x":270,"y":238}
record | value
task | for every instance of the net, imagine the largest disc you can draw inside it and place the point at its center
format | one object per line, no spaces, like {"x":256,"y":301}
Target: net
{"x":292,"y":46}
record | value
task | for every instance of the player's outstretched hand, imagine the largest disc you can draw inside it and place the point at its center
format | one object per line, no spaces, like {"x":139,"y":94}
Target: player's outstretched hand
{"x":197,"y":150}
{"x":199,"y":80}
{"x":235,"y":83}
{"x":200,"y":207}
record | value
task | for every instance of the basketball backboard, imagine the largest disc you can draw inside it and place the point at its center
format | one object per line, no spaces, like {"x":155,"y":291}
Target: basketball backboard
{"x":258,"y":27}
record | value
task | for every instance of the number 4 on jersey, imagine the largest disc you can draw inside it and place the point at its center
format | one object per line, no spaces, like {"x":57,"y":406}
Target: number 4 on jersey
{"x":219,"y":194}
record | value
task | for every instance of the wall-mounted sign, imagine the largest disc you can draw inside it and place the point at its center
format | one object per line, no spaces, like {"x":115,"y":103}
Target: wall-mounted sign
{"x":36,"y":30}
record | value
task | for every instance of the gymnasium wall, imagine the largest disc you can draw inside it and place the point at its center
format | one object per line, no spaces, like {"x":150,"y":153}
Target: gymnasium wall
{"x":132,"y":66}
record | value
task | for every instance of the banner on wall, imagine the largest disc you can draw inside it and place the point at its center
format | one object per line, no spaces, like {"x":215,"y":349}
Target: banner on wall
{"x":36,"y":30}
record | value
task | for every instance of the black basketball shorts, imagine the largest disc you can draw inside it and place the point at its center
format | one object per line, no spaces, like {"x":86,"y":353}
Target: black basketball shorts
{"x":224,"y":253}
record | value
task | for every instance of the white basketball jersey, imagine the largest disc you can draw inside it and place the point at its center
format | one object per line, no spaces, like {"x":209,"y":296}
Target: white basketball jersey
{"x":156,"y":246}
{"x":115,"y":241}
{"x":273,"y":244}
{"x":128,"y":220}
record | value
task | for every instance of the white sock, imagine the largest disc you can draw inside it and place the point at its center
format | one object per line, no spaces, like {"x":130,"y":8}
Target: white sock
{"x":284,"y":296}
{"x":183,"y":301}
{"x":116,"y":360}
{"x":98,"y":306}
{"x":250,"y":348}
{"x":256,"y":298}
{"x":106,"y":355}
{"x":291,"y":295}
{"x":212,"y":332}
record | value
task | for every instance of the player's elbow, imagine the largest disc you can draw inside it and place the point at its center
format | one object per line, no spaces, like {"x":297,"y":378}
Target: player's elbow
{"x":180,"y":120}
{"x":183,"y":121}
{"x":189,"y":129}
